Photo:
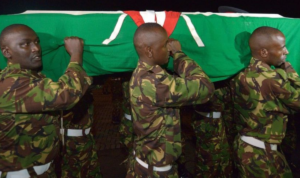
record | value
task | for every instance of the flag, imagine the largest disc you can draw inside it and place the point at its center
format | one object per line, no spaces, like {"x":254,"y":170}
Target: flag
{"x":217,"y":42}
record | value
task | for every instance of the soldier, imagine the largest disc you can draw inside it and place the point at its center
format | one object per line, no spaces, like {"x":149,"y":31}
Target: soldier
{"x":29,"y":103}
{"x":263,"y":97}
{"x":126,"y":130}
{"x":155,"y":98}
{"x":79,"y":156}
{"x":214,"y":156}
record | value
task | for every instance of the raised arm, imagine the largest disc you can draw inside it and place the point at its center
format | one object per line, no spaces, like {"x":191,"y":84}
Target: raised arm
{"x":192,"y":86}
{"x":21,"y":92}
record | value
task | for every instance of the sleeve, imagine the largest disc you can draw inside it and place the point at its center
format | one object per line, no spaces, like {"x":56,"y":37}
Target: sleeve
{"x":23,"y":94}
{"x":287,"y":89}
{"x":191,"y":87}
{"x":292,"y":75}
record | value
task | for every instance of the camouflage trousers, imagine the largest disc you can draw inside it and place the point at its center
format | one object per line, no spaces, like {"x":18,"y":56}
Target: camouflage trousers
{"x":79,"y":158}
{"x":256,"y":162}
{"x":212,"y":149}
{"x":50,"y":173}
{"x":126,"y":133}
{"x":135,"y":170}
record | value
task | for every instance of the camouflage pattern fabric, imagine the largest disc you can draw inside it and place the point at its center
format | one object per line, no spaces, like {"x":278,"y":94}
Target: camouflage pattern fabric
{"x":213,"y":154}
{"x":254,"y":162}
{"x":212,"y":149}
{"x":229,"y":123}
{"x":264,"y":97}
{"x":223,"y":97}
{"x":126,"y":130}
{"x":29,"y":130}
{"x":228,"y":119}
{"x":155,"y":98}
{"x":79,"y":156}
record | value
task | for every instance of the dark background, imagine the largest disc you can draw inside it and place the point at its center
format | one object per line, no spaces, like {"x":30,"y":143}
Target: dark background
{"x":287,"y":8}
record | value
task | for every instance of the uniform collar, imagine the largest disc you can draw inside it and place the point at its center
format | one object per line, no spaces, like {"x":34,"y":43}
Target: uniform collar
{"x":258,"y":64}
{"x":13,"y":66}
{"x":18,"y":67}
{"x":155,"y":68}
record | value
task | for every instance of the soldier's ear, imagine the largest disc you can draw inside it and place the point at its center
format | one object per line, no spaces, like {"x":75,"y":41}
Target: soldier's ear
{"x":149,"y":52}
{"x":264,"y":53}
{"x":5,"y":52}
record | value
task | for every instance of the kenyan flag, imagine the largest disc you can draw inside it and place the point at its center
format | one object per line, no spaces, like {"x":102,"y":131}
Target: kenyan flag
{"x":217,"y":42}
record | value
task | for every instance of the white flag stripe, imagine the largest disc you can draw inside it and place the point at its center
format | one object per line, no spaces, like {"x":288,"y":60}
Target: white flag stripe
{"x":161,"y":17}
{"x":193,"y":30}
{"x":116,"y":31}
{"x":148,"y":16}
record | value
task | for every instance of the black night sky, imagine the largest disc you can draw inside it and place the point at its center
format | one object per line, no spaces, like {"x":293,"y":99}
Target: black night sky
{"x":287,"y":8}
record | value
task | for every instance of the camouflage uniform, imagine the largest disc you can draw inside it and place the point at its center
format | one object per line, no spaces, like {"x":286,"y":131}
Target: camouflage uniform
{"x":224,"y":100}
{"x":79,"y":156}
{"x":264,"y":97}
{"x":212,"y":148}
{"x":155,"y":97}
{"x":29,"y":130}
{"x":126,"y":130}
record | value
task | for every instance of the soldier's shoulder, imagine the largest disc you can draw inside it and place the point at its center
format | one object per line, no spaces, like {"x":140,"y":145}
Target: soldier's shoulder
{"x":4,"y":74}
{"x":276,"y":74}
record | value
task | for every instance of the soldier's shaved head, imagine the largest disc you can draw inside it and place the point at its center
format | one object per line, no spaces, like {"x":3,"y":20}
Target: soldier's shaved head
{"x":8,"y":30}
{"x":21,"y":45}
{"x":146,"y":35}
{"x":268,"y":45}
{"x":150,"y":41}
{"x":262,"y":38}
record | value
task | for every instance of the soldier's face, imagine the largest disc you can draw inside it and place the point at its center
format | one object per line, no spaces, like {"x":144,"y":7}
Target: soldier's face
{"x":23,"y":47}
{"x":160,"y":49}
{"x":277,"y":50}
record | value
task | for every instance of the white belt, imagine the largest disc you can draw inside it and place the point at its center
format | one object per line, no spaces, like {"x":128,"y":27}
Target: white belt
{"x":158,"y":169}
{"x":258,"y":143}
{"x":214,"y":115}
{"x":24,"y":172}
{"x":77,"y":132}
{"x":127,"y":116}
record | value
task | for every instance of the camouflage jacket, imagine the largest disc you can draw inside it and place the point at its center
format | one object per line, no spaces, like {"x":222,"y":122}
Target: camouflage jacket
{"x":263,"y":98}
{"x":81,"y":115}
{"x":219,"y":102}
{"x":155,"y":97}
{"x":29,"y":131}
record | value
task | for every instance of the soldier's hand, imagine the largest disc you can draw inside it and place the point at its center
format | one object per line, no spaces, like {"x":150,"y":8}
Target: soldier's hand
{"x":173,"y":46}
{"x":74,"y":47}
